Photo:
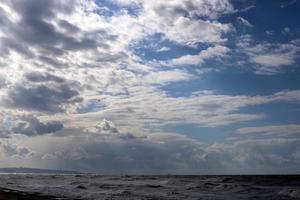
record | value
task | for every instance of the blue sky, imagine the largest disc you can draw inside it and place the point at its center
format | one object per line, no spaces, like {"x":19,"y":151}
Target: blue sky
{"x":139,"y":86}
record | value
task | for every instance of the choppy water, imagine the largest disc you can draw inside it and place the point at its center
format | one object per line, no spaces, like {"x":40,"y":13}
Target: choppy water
{"x":156,"y":187}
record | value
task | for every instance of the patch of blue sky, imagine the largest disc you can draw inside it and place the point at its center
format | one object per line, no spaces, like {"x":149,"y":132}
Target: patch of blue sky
{"x":113,"y":8}
{"x":157,"y":47}
{"x":234,"y":81}
{"x":269,"y":15}
{"x":201,"y":133}
{"x":92,"y":106}
{"x":276,"y":113}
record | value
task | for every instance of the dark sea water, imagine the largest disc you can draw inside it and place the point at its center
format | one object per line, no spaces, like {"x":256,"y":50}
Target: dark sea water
{"x":146,"y":187}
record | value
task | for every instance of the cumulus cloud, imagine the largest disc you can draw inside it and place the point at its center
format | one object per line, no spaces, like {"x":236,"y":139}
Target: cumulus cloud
{"x":108,"y":130}
{"x":104,"y":127}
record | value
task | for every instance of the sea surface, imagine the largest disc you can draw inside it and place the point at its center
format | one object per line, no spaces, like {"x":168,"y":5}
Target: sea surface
{"x":146,"y":187}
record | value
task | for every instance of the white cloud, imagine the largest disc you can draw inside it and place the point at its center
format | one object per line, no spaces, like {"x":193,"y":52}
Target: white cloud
{"x":269,"y":58}
{"x":273,"y":60}
{"x":211,"y":52}
{"x":144,"y":110}
{"x":165,"y":77}
{"x":244,"y":22}
{"x":163,"y":49}
{"x":196,"y":32}
{"x":175,"y":20}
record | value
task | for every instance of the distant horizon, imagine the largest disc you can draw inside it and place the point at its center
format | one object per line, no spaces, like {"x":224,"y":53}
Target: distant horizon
{"x":141,"y":174}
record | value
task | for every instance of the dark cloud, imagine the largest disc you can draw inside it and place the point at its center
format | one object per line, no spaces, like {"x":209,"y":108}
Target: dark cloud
{"x":32,"y":126}
{"x":4,"y":134}
{"x":37,"y":30}
{"x":49,"y":93}
{"x":3,"y":18}
{"x":42,"y":77}
{"x":7,"y":45}
{"x":43,"y":98}
{"x":68,"y":26}
{"x":3,"y":82}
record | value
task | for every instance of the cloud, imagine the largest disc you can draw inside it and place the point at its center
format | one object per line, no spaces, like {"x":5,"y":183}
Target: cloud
{"x":244,"y":22}
{"x":273,"y":60}
{"x":267,"y":152}
{"x":54,"y":35}
{"x":32,"y":126}
{"x":171,"y":152}
{"x":155,"y":153}
{"x":34,"y":20}
{"x":286,"y":31}
{"x":166,"y":77}
{"x":196,"y":32}
{"x":43,"y":77}
{"x":280,"y":130}
{"x":211,"y":52}
{"x":200,"y":8}
{"x":178,"y":24}
{"x":288,"y":3}
{"x":48,"y":94}
{"x":269,"y":58}
{"x":109,"y":131}
{"x":2,"y":82}
{"x":287,"y":95}
{"x":42,"y":98}
{"x":143,"y":110}
{"x":14,"y":151}
{"x":162,"y":49}
{"x":256,"y":155}
{"x":104,"y":127}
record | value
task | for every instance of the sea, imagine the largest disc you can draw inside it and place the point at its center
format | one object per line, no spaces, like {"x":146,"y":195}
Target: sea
{"x":152,"y":187}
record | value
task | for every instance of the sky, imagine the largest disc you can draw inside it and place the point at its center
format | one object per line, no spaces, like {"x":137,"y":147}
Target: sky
{"x":142,"y":86}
